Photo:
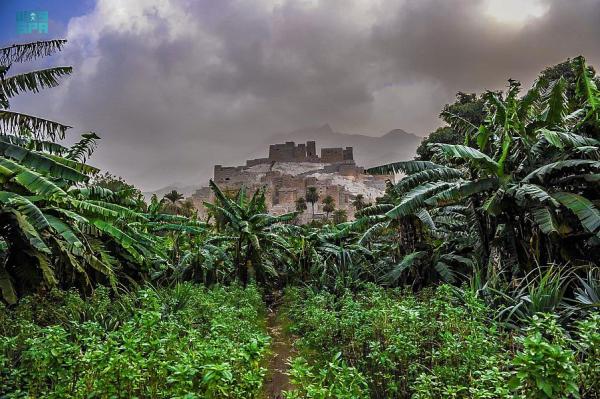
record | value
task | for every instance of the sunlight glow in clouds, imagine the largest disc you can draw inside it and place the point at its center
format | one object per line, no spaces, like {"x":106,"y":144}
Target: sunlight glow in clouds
{"x":515,"y":12}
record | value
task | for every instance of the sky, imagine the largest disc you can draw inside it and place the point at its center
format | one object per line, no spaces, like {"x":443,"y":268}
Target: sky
{"x":176,"y":86}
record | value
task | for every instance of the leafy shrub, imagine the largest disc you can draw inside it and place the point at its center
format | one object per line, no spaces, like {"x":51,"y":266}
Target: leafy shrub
{"x":545,"y":368}
{"x":186,"y":341}
{"x":403,"y":344}
{"x":588,"y":334}
{"x":335,"y":380}
{"x":427,"y":346}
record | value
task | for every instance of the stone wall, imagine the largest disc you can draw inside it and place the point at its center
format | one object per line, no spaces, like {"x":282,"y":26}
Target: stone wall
{"x":257,"y":161}
{"x":332,"y":155}
{"x":231,"y":175}
{"x":347,"y":154}
{"x":283,"y":152}
{"x":290,"y":152}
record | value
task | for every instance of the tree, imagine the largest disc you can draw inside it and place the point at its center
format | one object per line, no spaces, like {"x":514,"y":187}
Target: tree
{"x":526,"y":179}
{"x":301,"y":205}
{"x":14,"y":122}
{"x":359,"y":202}
{"x":328,"y":205}
{"x":174,"y":196}
{"x":188,"y":209}
{"x":249,"y":228}
{"x":58,"y":227}
{"x":340,"y":216}
{"x":312,"y":196}
{"x":467,"y":107}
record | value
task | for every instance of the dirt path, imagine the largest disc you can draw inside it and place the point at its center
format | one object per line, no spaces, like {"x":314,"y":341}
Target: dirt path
{"x":277,"y":380}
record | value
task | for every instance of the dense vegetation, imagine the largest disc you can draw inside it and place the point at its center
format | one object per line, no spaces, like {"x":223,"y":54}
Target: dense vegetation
{"x":185,"y":341}
{"x":475,"y":275}
{"x":399,"y":345}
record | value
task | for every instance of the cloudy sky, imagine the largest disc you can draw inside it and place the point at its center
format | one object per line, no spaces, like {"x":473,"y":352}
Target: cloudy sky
{"x":175,"y":86}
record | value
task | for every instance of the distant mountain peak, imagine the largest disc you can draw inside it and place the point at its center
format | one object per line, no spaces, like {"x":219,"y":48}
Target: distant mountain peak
{"x":396,"y":133}
{"x":323,"y":129}
{"x":326,"y":128}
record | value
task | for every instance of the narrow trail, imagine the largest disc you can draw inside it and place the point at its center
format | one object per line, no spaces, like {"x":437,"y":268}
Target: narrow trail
{"x":277,"y":381}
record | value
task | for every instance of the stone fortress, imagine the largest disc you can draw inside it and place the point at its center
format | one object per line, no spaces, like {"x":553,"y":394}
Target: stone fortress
{"x":287,"y":173}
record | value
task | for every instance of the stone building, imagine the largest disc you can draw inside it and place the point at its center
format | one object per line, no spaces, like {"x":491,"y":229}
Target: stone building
{"x":289,"y":171}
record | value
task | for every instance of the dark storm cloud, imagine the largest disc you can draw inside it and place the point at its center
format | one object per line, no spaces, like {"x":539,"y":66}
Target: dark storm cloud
{"x":176,"y":86}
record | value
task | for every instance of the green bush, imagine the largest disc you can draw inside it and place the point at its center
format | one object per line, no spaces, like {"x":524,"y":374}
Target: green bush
{"x":403,"y":344}
{"x":186,"y":341}
{"x":334,"y":380}
{"x":588,"y":334}
{"x":427,"y":346}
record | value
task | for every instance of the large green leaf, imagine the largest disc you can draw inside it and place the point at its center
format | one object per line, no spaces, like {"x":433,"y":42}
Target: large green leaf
{"x":375,"y":209}
{"x":23,"y":205}
{"x":31,"y":234}
{"x":544,"y":218}
{"x":78,"y":166}
{"x":407,"y":262}
{"x":567,"y":139}
{"x":583,"y":208}
{"x":408,"y":167}
{"x":65,"y":231}
{"x":40,"y":162}
{"x":122,"y":238}
{"x":32,"y":181}
{"x":230,"y":206}
{"x":572,"y":164}
{"x":468,"y":154}
{"x":428,"y":175}
{"x":525,"y":191}
{"x":458,"y":191}
{"x":415,"y":199}
{"x":88,"y":208}
{"x":556,"y":103}
{"x":586,"y":86}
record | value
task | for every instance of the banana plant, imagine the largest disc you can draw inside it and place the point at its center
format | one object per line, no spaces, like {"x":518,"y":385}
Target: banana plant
{"x":246,"y":224}
{"x":58,"y":228}
{"x":529,"y":173}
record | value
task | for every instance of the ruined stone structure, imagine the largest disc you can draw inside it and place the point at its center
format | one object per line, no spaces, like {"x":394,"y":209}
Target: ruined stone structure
{"x":290,"y":170}
{"x":290,"y":152}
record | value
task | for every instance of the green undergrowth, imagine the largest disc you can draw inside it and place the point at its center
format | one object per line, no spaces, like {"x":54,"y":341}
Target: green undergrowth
{"x":181,"y":342}
{"x":379,"y":343}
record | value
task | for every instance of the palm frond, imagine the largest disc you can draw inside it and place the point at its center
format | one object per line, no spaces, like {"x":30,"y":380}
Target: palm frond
{"x":29,"y":51}
{"x":82,"y":150}
{"x":32,"y":81}
{"x":12,"y":122}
